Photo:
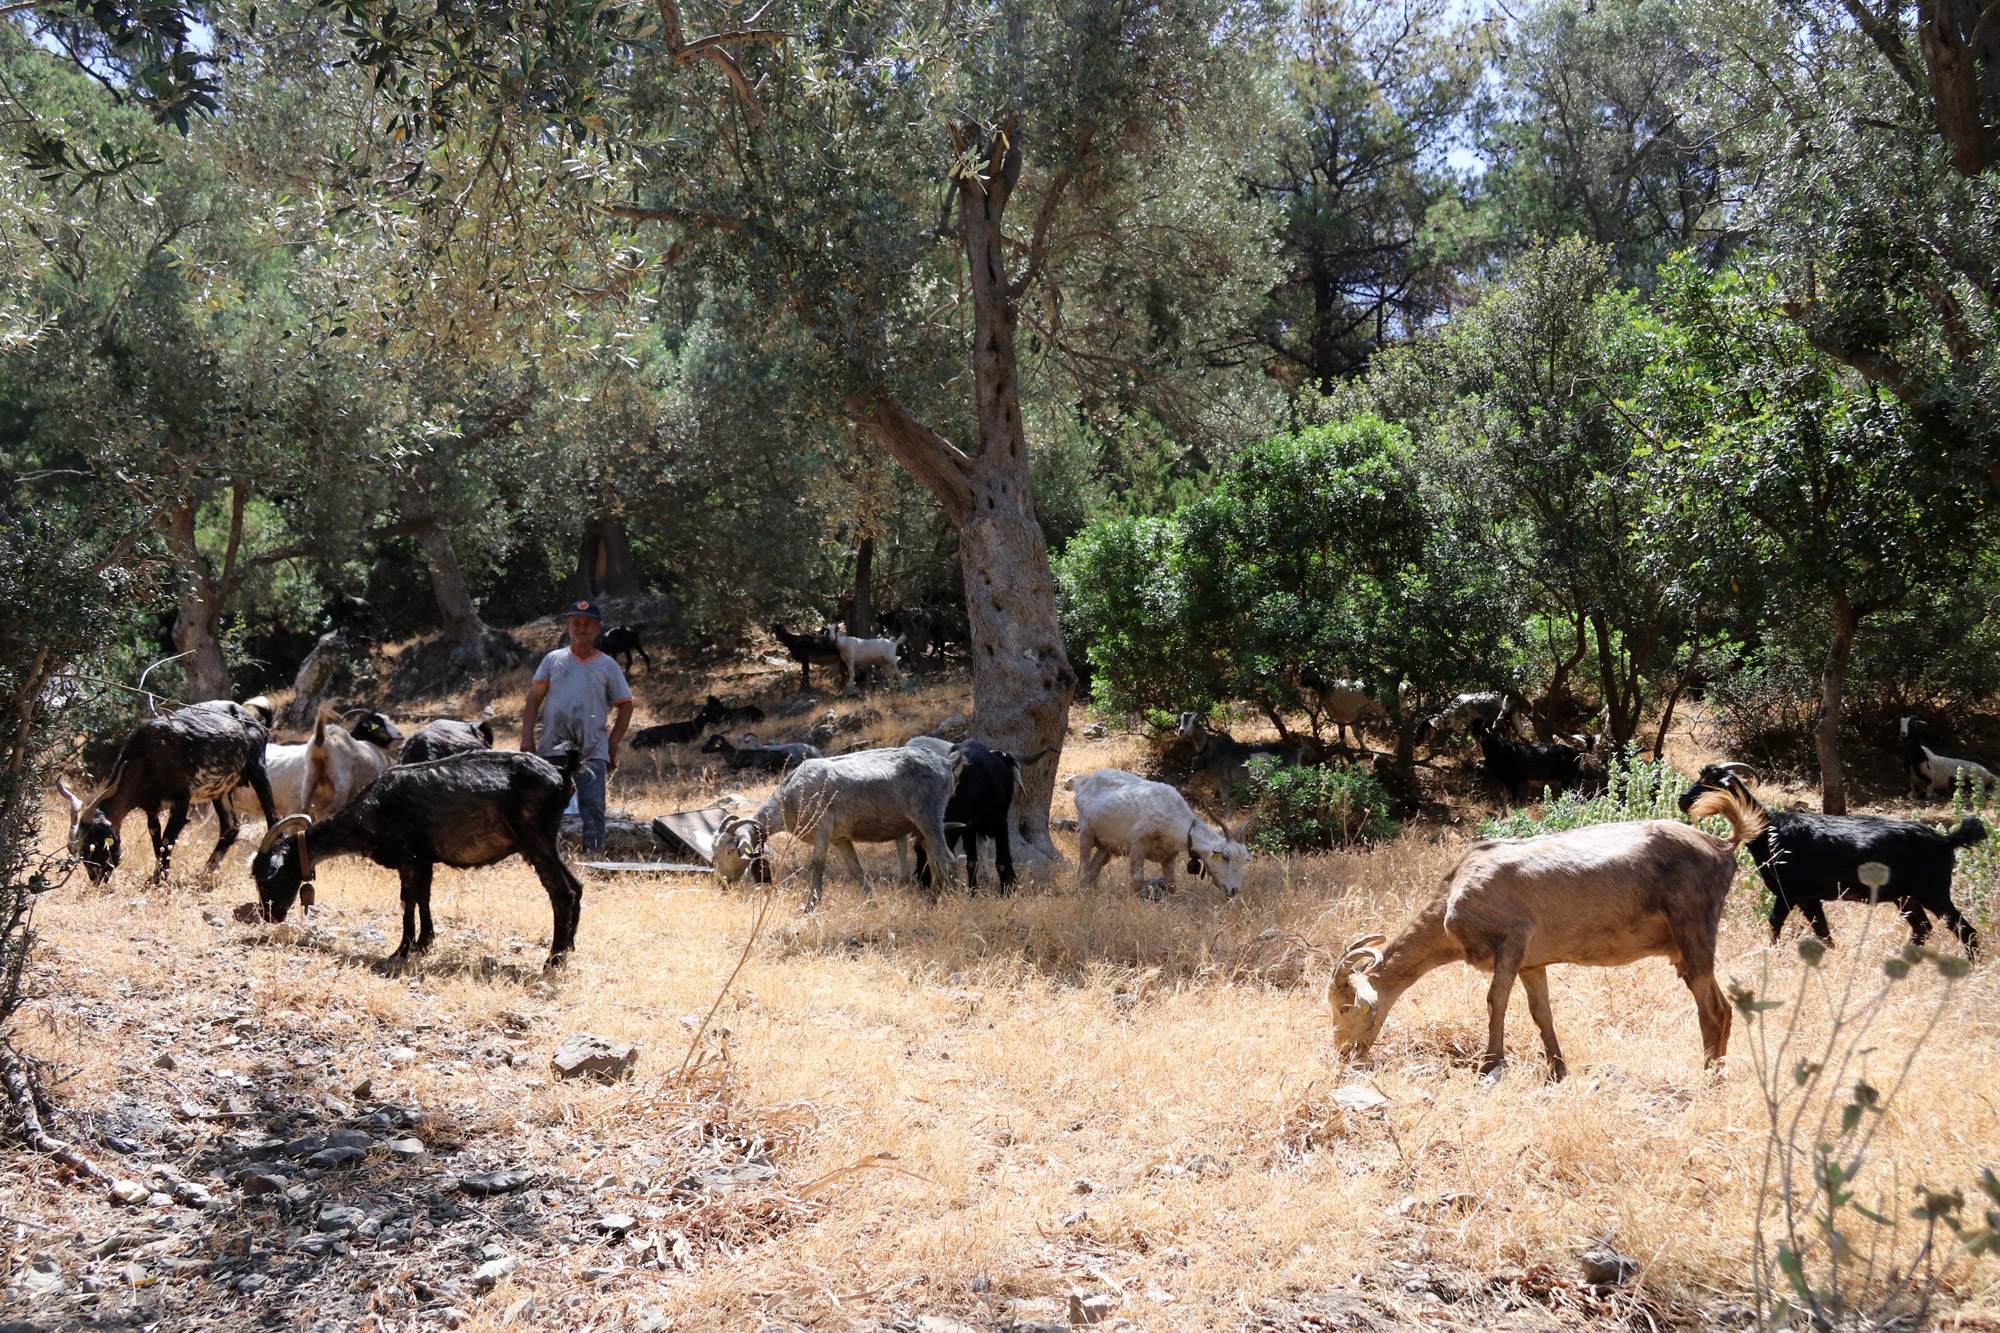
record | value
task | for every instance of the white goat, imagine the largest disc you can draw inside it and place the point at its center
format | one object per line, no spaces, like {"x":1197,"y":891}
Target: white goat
{"x":869,"y":796}
{"x":858,"y":653}
{"x":1123,"y":814}
{"x":1942,"y":773}
{"x":342,"y":763}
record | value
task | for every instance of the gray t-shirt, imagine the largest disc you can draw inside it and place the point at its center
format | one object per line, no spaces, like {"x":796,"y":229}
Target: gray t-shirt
{"x":580,"y":699}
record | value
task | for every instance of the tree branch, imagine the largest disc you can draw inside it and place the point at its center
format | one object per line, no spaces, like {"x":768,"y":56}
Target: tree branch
{"x":1888,"y":41}
{"x":714,"y":47}
{"x":939,"y":464}
{"x":1038,"y":246}
{"x":237,"y":494}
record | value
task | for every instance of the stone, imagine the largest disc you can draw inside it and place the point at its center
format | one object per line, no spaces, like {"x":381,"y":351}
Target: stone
{"x":364,"y":1090}
{"x":952,"y":728}
{"x":584,"y":1054}
{"x":166,"y":1061}
{"x":452,"y":1317}
{"x":213,"y":917}
{"x":1603,"y":1266}
{"x":129,"y":1192}
{"x":1207,"y":1164}
{"x":1358,"y":1097}
{"x":249,"y":913}
{"x":305,"y":1145}
{"x":326,"y":1159}
{"x":649,"y":1319}
{"x":349,"y":1138}
{"x":723,"y":1179}
{"x":1095,"y":731}
{"x":1091,"y":1307}
{"x":487,"y":1276}
{"x":935,"y":1323}
{"x":402,"y":1055}
{"x":616,"y":1224}
{"x":496,"y":1182}
{"x":40,"y":1278}
{"x":407,"y":1150}
{"x":340,"y":1217}
{"x":256,"y":1185}
{"x":520,"y":1312}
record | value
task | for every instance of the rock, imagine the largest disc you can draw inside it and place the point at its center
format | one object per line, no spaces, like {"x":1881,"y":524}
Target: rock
{"x":166,"y":1061}
{"x":1081,"y":1187}
{"x":338,"y":1217}
{"x":214,"y":918}
{"x":616,"y":1224}
{"x":1358,"y":1097}
{"x":256,"y":1185}
{"x":40,"y":1278}
{"x":496,"y":1182}
{"x":1207,"y":1164}
{"x":585,"y":1053}
{"x":407,"y":1150}
{"x":520,"y":1312}
{"x":159,"y":1199}
{"x":129,"y":1192}
{"x":1095,"y":731}
{"x":249,"y":913}
{"x":934,"y":1323}
{"x":649,"y":1319}
{"x":402,"y":1055}
{"x":723,"y":1179}
{"x":516,"y":1020}
{"x":305,"y":1145}
{"x":348,"y":1138}
{"x":952,"y":728}
{"x":326,"y":1159}
{"x":1603,"y":1266}
{"x":1091,"y":1307}
{"x":487,"y":1276}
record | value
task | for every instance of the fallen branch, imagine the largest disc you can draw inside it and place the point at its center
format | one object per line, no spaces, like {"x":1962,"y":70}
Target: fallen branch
{"x":21,"y":1093}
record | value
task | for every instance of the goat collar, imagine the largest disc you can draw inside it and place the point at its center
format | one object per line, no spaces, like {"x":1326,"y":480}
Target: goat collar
{"x":305,"y":857}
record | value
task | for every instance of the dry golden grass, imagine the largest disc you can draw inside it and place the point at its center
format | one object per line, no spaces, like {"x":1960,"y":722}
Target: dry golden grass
{"x":1028,"y":1080}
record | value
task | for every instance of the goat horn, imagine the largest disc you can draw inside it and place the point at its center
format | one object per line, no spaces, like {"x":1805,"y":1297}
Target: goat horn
{"x":1734,"y":767}
{"x":75,"y":801}
{"x":272,"y":833}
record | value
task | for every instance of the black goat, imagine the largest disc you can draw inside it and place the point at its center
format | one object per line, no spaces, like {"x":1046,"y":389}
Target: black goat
{"x":719,"y":713}
{"x":765,"y":758}
{"x":201,"y":753}
{"x":473,"y":809}
{"x":1808,"y":860}
{"x":982,"y":794}
{"x":806,"y":649}
{"x":1526,"y":765}
{"x":623,"y":641}
{"x":446,"y":737}
{"x":677,"y":733}
{"x":1227,"y":761}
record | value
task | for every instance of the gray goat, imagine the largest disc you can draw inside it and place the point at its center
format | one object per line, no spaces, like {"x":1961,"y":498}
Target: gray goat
{"x":869,"y":796}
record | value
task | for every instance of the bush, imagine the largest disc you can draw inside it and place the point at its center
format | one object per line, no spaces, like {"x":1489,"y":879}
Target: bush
{"x":1333,"y":805}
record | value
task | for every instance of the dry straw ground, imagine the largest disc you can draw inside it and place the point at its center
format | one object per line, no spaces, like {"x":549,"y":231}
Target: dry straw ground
{"x":975,"y":1109}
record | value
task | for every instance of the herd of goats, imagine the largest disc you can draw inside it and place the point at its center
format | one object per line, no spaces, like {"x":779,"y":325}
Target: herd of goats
{"x":1605,"y":895}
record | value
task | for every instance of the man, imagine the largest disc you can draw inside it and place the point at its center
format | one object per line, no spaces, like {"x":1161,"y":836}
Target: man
{"x":581,"y":687}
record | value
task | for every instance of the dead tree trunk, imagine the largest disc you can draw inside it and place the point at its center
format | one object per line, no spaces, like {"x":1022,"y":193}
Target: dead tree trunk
{"x":1022,"y":680}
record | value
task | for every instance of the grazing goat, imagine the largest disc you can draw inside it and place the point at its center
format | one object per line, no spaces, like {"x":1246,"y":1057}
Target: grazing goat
{"x":300,"y":784}
{"x":982,"y":794}
{"x":858,"y":653}
{"x":1226,"y":761}
{"x":1495,"y":708}
{"x":197,"y":754}
{"x":1527,"y":765}
{"x":469,"y":810}
{"x":623,"y":641}
{"x":1808,"y":860}
{"x":807,"y":649}
{"x":1600,"y":896}
{"x":1931,"y":772}
{"x":870,"y":796}
{"x":1347,"y":704}
{"x":445,"y":737}
{"x":1122,"y":814}
{"x":764,"y":758}
{"x":719,"y":713}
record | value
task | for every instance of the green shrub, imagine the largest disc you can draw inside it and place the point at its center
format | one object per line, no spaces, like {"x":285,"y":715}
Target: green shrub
{"x":1634,"y":788}
{"x":1333,"y":805}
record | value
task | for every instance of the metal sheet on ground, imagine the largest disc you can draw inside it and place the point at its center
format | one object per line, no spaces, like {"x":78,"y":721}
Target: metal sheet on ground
{"x":697,"y":828}
{"x":657,"y":867}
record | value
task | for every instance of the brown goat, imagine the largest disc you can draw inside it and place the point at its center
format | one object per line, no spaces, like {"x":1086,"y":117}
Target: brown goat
{"x":1601,"y":896}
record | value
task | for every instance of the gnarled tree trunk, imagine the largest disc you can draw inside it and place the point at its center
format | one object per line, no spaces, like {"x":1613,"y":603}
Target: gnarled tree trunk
{"x":476,"y":647}
{"x":861,"y":609}
{"x":1022,"y":680}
